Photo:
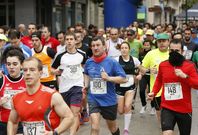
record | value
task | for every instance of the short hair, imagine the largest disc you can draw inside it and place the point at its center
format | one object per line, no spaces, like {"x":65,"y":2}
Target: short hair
{"x":124,"y":43}
{"x":13,"y":51}
{"x":177,"y":41}
{"x":13,"y":34}
{"x":36,"y":34}
{"x":39,"y":66}
{"x":70,"y":34}
{"x":151,"y":43}
{"x":60,"y":32}
{"x":80,"y":24}
{"x":98,"y":38}
{"x":188,"y":29}
{"x":33,"y":24}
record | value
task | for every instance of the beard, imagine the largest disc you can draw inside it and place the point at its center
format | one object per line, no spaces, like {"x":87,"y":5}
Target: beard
{"x":175,"y":58}
{"x":187,"y":39}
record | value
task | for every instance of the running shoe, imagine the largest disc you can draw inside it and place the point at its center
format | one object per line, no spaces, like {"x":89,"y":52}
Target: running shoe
{"x":126,"y":132}
{"x":143,"y":110}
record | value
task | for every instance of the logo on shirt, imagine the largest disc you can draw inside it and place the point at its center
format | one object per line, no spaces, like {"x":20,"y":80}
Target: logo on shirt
{"x":29,"y":101}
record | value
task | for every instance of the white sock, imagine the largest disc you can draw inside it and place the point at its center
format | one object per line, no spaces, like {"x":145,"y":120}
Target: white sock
{"x":127,"y":120}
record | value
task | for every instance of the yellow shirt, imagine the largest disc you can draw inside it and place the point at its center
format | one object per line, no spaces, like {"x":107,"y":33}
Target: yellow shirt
{"x":153,"y":59}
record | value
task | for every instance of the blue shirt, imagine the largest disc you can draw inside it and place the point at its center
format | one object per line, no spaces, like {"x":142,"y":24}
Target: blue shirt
{"x":93,"y":70}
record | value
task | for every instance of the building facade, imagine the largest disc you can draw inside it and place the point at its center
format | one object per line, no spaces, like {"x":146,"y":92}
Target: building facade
{"x":57,"y":14}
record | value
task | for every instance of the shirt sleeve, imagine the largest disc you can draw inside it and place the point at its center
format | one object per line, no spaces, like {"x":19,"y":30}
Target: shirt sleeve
{"x":158,"y":82}
{"x":56,"y":62}
{"x":51,"y":52}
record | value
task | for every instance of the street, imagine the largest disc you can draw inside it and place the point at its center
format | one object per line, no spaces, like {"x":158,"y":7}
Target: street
{"x":143,"y":124}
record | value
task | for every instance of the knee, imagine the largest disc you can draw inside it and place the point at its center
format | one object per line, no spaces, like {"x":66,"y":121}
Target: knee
{"x":95,"y":128}
{"x":127,"y":108}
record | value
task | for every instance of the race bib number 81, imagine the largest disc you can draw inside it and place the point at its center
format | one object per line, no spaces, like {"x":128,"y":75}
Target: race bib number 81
{"x":173,"y":91}
{"x":34,"y":128}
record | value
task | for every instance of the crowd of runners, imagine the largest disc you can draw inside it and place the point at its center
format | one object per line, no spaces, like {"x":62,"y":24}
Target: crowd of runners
{"x":51,"y":84}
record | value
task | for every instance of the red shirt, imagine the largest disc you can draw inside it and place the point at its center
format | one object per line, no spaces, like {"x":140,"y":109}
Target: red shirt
{"x":176,"y":91}
{"x":33,"y":108}
{"x":52,"y":43}
{"x":9,"y":89}
{"x":27,"y":40}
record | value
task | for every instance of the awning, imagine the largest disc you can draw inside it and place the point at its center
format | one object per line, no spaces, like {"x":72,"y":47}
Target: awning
{"x":158,"y":9}
{"x":192,"y":14}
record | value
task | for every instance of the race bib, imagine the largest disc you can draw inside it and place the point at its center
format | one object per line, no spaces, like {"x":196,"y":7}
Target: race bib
{"x":130,"y":81}
{"x":34,"y":128}
{"x":188,"y":54}
{"x":173,"y":91}
{"x":98,"y":86}
{"x":45,"y":73}
{"x":9,"y":94}
{"x":73,"y":71}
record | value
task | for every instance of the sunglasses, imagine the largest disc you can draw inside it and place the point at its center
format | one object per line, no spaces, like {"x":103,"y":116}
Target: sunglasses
{"x":174,"y":50}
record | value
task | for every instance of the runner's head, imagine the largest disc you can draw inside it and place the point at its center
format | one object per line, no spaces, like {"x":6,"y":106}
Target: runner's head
{"x":163,"y":42}
{"x":32,"y":69}
{"x":98,"y":46}
{"x":13,"y":58}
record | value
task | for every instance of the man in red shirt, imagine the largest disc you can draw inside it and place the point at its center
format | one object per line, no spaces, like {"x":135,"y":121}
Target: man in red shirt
{"x":27,"y":40}
{"x":176,"y":76}
{"x":48,"y":40}
{"x":39,"y":108}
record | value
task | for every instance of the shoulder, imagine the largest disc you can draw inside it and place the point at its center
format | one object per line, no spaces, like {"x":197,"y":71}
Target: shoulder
{"x":47,"y":89}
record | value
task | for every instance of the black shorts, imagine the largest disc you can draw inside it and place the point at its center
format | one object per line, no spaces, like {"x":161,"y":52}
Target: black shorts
{"x":51,"y":84}
{"x":169,"y":118}
{"x":157,"y":103}
{"x":122,"y":90}
{"x":73,"y":97}
{"x":107,"y":112}
{"x":3,"y":128}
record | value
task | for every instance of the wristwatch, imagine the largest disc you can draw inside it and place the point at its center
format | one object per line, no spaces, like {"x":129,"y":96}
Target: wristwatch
{"x":55,"y":132}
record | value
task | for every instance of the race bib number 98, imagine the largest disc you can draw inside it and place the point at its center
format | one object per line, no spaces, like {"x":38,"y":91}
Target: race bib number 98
{"x":34,"y":128}
{"x":98,"y":86}
{"x":173,"y":91}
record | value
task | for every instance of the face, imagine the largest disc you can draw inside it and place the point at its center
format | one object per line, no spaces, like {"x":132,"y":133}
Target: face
{"x":70,"y":41}
{"x":45,"y":33}
{"x":1,"y":31}
{"x":124,"y":48}
{"x":61,"y":38}
{"x":36,"y":42}
{"x":114,"y":34}
{"x":158,"y":29}
{"x":130,"y":36}
{"x":31,"y":72}
{"x":79,"y":28}
{"x":14,"y":66}
{"x":178,"y":36}
{"x":187,"y":34}
{"x":31,"y":29}
{"x":163,"y":45}
{"x":15,"y":42}
{"x":2,"y":43}
{"x":175,"y":47}
{"x":146,"y":46}
{"x":78,"y":38}
{"x":97,"y":48}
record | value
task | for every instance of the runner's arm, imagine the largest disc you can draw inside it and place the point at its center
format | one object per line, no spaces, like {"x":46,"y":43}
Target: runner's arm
{"x":63,"y":112}
{"x":12,"y":122}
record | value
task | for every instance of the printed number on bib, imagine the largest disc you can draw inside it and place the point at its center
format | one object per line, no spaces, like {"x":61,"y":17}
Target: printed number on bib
{"x":9,"y":94}
{"x":45,"y":73}
{"x":173,"y":91}
{"x":34,"y":128}
{"x":129,"y":83}
{"x":73,"y":71}
{"x":98,"y":86}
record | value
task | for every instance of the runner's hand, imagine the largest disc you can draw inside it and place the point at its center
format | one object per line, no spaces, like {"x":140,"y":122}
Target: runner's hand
{"x":105,"y":76}
{"x":3,"y":100}
{"x":180,"y":73}
{"x":150,"y":96}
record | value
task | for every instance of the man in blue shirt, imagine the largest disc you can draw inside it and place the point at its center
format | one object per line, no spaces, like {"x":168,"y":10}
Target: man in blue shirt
{"x":101,"y":74}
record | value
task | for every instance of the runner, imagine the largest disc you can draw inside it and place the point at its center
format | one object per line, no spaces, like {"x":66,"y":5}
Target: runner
{"x":126,"y":91}
{"x":176,"y":76}
{"x":10,"y":85}
{"x":39,"y":108}
{"x":151,"y":62}
{"x":46,"y":55}
{"x":71,"y":82}
{"x":101,"y":74}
